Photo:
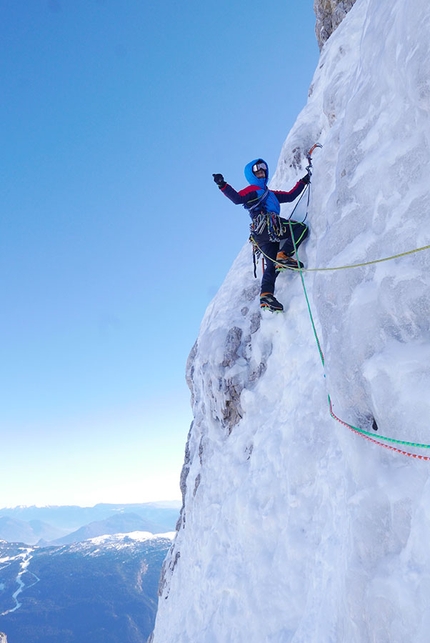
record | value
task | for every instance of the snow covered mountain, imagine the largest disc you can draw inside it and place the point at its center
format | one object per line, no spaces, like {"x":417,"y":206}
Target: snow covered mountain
{"x":102,"y":590}
{"x":296,"y":527}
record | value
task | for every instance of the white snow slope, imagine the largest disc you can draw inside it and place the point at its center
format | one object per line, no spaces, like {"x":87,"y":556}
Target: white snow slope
{"x":296,"y":529}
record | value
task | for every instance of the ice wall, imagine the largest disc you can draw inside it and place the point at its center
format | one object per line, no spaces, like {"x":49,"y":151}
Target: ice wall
{"x":295,"y":529}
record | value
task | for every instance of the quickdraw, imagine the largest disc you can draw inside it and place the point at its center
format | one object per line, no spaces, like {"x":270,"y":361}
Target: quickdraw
{"x":270,"y":220}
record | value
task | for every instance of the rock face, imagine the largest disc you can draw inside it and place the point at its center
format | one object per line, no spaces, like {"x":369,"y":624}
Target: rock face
{"x":224,"y":376}
{"x":329,"y":14}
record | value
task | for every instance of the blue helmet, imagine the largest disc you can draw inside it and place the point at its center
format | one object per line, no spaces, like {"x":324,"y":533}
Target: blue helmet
{"x":250,"y":176}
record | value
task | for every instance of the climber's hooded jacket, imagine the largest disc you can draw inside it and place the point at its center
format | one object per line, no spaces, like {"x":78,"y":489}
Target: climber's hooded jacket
{"x":257,"y":197}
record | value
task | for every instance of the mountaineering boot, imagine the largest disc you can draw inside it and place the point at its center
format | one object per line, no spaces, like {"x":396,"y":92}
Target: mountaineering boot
{"x":284,"y":261}
{"x":269,"y":302}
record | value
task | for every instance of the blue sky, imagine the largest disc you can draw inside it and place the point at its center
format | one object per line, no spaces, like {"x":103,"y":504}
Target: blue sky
{"x":113,"y":237}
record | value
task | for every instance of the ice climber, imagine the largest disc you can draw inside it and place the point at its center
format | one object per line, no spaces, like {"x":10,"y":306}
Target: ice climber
{"x":270,"y":231}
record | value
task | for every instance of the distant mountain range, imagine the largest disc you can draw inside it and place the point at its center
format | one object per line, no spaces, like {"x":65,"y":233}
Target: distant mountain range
{"x":29,"y":532}
{"x":67,"y":524}
{"x":103,"y":590}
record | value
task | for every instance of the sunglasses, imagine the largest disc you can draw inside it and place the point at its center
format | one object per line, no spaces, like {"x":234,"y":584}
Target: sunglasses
{"x":259,"y":166}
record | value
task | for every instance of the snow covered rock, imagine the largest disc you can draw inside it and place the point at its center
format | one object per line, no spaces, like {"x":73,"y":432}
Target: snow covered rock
{"x":294,"y":529}
{"x":329,"y":14}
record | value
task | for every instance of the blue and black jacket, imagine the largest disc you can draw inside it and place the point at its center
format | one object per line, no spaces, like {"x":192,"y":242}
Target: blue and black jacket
{"x":256,"y":197}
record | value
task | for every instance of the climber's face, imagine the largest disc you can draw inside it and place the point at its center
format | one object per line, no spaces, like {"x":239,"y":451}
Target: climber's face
{"x":257,"y":173}
{"x":259,"y":170}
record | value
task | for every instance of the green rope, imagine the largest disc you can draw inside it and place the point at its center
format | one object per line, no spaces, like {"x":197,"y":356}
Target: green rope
{"x":369,"y":436}
{"x":369,"y":263}
{"x":380,"y":437}
{"x":321,"y":354}
{"x":309,"y":306}
{"x":346,"y":267}
{"x":355,"y":428}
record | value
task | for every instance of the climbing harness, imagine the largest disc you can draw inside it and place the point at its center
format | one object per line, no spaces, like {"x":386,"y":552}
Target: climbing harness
{"x":275,"y":229}
{"x":281,"y":227}
{"x":272,"y":221}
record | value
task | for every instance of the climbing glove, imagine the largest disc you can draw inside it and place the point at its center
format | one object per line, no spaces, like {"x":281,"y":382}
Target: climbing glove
{"x":219,"y":180}
{"x":306,"y":179}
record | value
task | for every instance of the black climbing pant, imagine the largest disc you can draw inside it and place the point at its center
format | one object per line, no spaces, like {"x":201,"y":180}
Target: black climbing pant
{"x":271,"y":248}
